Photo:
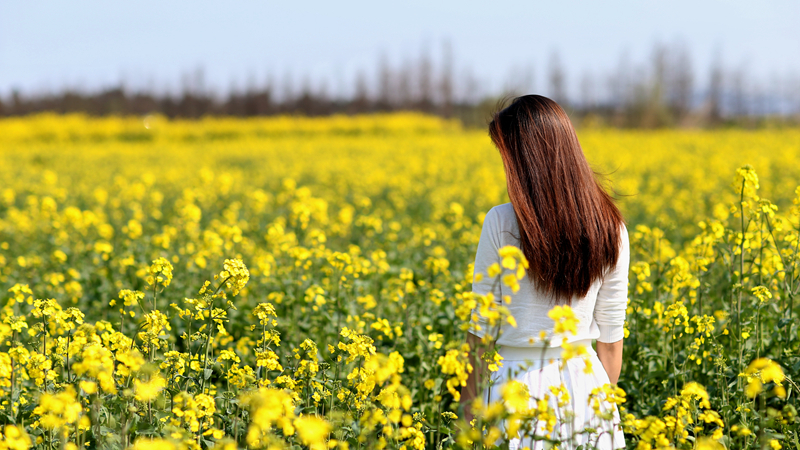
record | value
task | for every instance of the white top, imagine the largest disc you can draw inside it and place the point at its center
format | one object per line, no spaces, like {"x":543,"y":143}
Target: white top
{"x":601,"y":313}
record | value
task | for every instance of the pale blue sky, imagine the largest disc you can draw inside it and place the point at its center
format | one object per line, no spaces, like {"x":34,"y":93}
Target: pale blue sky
{"x":89,"y":44}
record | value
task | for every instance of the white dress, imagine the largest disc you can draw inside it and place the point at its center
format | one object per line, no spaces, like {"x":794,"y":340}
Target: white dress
{"x":601,"y":316}
{"x":572,"y":419}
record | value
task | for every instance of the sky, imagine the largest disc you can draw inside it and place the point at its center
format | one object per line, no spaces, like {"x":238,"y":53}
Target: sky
{"x":46,"y":46}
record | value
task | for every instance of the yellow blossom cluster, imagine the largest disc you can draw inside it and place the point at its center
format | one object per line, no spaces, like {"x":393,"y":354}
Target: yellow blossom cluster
{"x":230,"y":283}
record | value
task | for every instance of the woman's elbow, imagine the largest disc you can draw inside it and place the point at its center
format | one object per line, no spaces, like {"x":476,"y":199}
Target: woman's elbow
{"x":610,"y":355}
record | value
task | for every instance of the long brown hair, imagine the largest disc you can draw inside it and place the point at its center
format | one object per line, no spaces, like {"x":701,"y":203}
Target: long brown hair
{"x":569,"y":226}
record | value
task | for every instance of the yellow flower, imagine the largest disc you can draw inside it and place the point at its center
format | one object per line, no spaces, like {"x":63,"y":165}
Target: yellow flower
{"x":741,"y":431}
{"x":764,"y":370}
{"x":511,"y":281}
{"x":268,"y":408}
{"x":570,"y":351}
{"x":14,"y":438}
{"x":160,"y":272}
{"x":90,"y":387}
{"x":696,"y":390}
{"x":155,"y":322}
{"x":312,"y":431}
{"x":707,"y":443}
{"x":130,"y":297}
{"x":456,"y":363}
{"x":153,"y":444}
{"x":746,"y":178}
{"x":494,"y":360}
{"x":265,"y":313}
{"x":516,"y":396}
{"x":234,"y":274}
{"x":761,"y":293}
{"x":149,"y":390}
{"x":58,"y":410}
{"x":564,"y":318}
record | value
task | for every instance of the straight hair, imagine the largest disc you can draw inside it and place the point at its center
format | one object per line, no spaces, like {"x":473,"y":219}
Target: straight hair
{"x":569,"y":225}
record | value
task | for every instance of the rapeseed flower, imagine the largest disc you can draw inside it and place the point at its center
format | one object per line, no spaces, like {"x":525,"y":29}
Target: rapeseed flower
{"x":312,"y":431}
{"x":385,"y":255}
{"x":234,"y":274}
{"x":160,"y":272}
{"x":14,"y":438}
{"x":455,"y":363}
{"x":764,"y":370}
{"x":58,"y":410}
{"x":565,"y":321}
{"x":146,"y":391}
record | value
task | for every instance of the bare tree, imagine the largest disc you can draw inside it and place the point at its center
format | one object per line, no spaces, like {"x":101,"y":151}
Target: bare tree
{"x":681,"y":81}
{"x":425,"y":82}
{"x":360,"y":103}
{"x":287,"y":88}
{"x":795,"y":94}
{"x":385,"y":100}
{"x":557,"y":79}
{"x":661,"y":91}
{"x":404,"y":94}
{"x":620,"y":88}
{"x":470,"y":91}
{"x":650,"y":102}
{"x":588,"y":100}
{"x":659,"y":76}
{"x":773,"y":98}
{"x":446,"y":81}
{"x":304,"y":102}
{"x":714,"y":96}
{"x":738,"y":93}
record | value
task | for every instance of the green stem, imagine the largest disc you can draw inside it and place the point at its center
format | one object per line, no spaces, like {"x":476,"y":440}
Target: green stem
{"x":741,"y":281}
{"x":210,"y":333}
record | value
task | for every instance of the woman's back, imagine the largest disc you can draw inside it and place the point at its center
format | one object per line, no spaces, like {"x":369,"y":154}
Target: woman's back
{"x":601,"y":313}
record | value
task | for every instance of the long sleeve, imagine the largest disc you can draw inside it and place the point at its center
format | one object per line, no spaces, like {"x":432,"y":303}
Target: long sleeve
{"x":485,"y":256}
{"x":612,"y":298}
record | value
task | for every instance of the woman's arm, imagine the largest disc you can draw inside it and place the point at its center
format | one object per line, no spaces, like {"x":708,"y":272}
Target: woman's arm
{"x":470,"y":391}
{"x":610,"y":354}
{"x":610,"y":310}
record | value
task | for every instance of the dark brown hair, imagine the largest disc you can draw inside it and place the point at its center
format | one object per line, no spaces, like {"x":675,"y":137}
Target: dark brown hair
{"x":569,"y":226}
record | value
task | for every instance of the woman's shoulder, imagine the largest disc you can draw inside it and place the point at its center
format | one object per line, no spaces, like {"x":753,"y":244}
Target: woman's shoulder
{"x":504,"y":209}
{"x":503,"y":217}
{"x":623,"y":233}
{"x":501,"y":211}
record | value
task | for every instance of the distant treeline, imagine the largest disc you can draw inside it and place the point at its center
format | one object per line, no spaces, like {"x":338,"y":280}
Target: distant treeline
{"x":661,"y":92}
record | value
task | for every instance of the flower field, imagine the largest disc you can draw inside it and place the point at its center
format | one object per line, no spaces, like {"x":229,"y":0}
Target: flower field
{"x":305,"y":283}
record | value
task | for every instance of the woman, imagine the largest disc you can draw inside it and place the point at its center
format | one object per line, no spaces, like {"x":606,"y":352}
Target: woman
{"x":576,"y":244}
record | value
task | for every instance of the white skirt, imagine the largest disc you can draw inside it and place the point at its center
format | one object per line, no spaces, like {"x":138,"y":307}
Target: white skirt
{"x":539,"y":374}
